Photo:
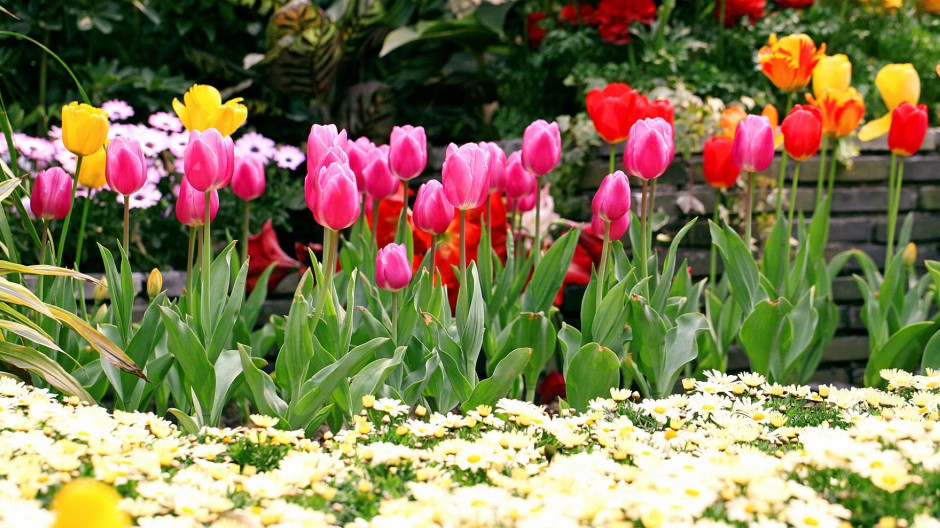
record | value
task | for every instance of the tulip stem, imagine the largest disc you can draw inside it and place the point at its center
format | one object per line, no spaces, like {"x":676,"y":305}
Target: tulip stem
{"x":206,"y":275}
{"x":434,"y":241}
{"x":832,"y":174}
{"x":781,"y":177}
{"x":375,"y":222}
{"x":649,"y":221}
{"x":602,"y":272}
{"x":713,"y":256}
{"x":748,"y":205}
{"x":463,"y":248}
{"x":81,"y":231}
{"x":537,"y":244}
{"x":189,"y":259}
{"x":42,"y":254}
{"x":892,"y":207}
{"x":395,"y":317}
{"x":245,"y":230}
{"x":786,"y":239}
{"x":644,"y":246}
{"x":68,"y":217}
{"x":127,"y":221}
{"x":821,"y":179}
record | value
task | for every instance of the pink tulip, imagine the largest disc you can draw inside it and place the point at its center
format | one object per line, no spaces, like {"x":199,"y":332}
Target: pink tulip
{"x":51,"y":197}
{"x":617,"y":227}
{"x":332,"y":196}
{"x":497,"y":166}
{"x":191,"y":205}
{"x":320,"y":139}
{"x":125,"y":166}
{"x":541,"y":147}
{"x":392,"y":268}
{"x":432,"y":212}
{"x":465,"y":176}
{"x":249,"y":182}
{"x":359,"y":153}
{"x":380,"y":183}
{"x":650,"y":148}
{"x":522,"y":205}
{"x":519,"y":182}
{"x":753,"y":147}
{"x":209,"y":160}
{"x":612,"y":199}
{"x":408,"y":152}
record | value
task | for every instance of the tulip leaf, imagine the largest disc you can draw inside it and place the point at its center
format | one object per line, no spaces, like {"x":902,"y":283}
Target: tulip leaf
{"x":35,"y":361}
{"x":742,"y":271}
{"x":894,"y":352}
{"x":550,"y":273}
{"x":569,"y":338}
{"x":372,"y":376}
{"x":535,"y":331}
{"x":663,"y":288}
{"x":592,"y":372}
{"x":490,"y":390}
{"x":263,"y":391}
{"x":471,"y":319}
{"x":931,"y":359}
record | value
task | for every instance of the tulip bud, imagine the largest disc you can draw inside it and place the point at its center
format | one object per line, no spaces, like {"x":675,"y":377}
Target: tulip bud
{"x":612,"y":199}
{"x":908,"y":129}
{"x":392,"y":267}
{"x":408,"y":151}
{"x":84,"y":128}
{"x":126,"y":168}
{"x":321,"y":138}
{"x":522,"y":205}
{"x":541,"y":147}
{"x":92,"y":172}
{"x":802,"y":132}
{"x":519,"y":181}
{"x":618,"y":227}
{"x":359,"y":153}
{"x":497,"y":166}
{"x":909,"y":256}
{"x":209,"y":160}
{"x":248,"y":179}
{"x":650,"y":148}
{"x":753,"y":146}
{"x":379,"y":181}
{"x":432,"y":212}
{"x":191,"y":205}
{"x":101,"y":290}
{"x":51,"y":197}
{"x":154,"y":283}
{"x":332,"y":196}
{"x":832,"y":71}
{"x":719,"y":169}
{"x":465,"y":176}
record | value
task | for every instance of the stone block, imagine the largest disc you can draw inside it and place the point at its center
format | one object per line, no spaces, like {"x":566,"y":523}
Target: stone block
{"x":929,"y":198}
{"x":925,"y":228}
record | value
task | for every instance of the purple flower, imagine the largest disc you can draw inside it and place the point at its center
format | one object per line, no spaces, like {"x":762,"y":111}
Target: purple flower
{"x":255,"y":145}
{"x":166,"y":122}
{"x":289,"y":157}
{"x":118,"y":110}
{"x":148,"y":196}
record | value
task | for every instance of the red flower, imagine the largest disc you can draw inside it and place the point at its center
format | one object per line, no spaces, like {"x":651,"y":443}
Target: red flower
{"x":794,"y":4}
{"x":536,"y":31}
{"x":614,"y":18}
{"x":569,"y":14}
{"x":264,"y":250}
{"x":735,"y":10}
{"x":802,"y":132}
{"x":551,"y":387}
{"x":908,"y":129}
{"x":720,"y":171}
{"x":614,"y":109}
{"x":662,"y":108}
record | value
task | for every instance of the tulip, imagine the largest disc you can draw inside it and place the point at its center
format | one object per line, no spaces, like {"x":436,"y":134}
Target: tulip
{"x":380,"y":183}
{"x":248,"y":179}
{"x":612,"y":199}
{"x":897,"y":83}
{"x":209,"y":160}
{"x":541,"y":147}
{"x":522,"y":205}
{"x":662,"y":108}
{"x":770,"y":112}
{"x":841,"y":111}
{"x":126,"y":167}
{"x":319,"y":141}
{"x":717,"y":164}
{"x":496,"y":166}
{"x":84,"y":128}
{"x":359,"y":153}
{"x":202,"y":109}
{"x":730,"y":117}
{"x":614,"y":109}
{"x":408,"y":152}
{"x":433,"y":213}
{"x":650,"y":149}
{"x":618,"y":227}
{"x":753,"y":146}
{"x":332,"y":196}
{"x":832,"y":72}
{"x":191,"y":205}
{"x":392,"y":267}
{"x":908,"y":129}
{"x":92,"y":172}
{"x":51,"y":197}
{"x":465,"y":176}
{"x":789,"y":61}
{"x":519,"y":181}
{"x":154,"y":283}
{"x":802,"y":132}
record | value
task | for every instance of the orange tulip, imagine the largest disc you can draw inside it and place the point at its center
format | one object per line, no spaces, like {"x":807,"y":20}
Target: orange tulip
{"x":842,"y":111}
{"x":770,"y":112}
{"x":730,"y":117}
{"x":789,"y":62}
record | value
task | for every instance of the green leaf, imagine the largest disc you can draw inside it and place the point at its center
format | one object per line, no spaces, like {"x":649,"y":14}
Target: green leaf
{"x":471,"y":315}
{"x":765,"y":334}
{"x":663,"y":289}
{"x":931,"y":359}
{"x":97,"y":340}
{"x":777,"y":253}
{"x":742,"y":272}
{"x":186,"y":423}
{"x":889,"y":354}
{"x":40,"y":364}
{"x":198,"y":372}
{"x":570,"y":340}
{"x":681,"y":349}
{"x":371,"y":378}
{"x":490,"y":390}
{"x":593,"y":371}
{"x":550,"y":273}
{"x":263,"y":391}
{"x":228,"y":368}
{"x":536,"y":332}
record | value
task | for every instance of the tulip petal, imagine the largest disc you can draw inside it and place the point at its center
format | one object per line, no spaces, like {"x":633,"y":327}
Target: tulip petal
{"x":875,"y":129}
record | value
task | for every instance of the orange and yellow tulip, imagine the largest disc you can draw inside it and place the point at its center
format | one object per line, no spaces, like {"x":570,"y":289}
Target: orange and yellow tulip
{"x":202,"y":109}
{"x":833,"y":71}
{"x":770,"y":112}
{"x":84,"y":128}
{"x":898,"y":83}
{"x":730,"y":117}
{"x":789,"y":61}
{"x":842,"y":111}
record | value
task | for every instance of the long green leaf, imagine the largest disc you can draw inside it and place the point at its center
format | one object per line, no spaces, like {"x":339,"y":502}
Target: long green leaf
{"x":40,"y":364}
{"x":490,"y":390}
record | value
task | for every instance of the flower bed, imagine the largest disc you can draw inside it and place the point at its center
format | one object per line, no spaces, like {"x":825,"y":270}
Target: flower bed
{"x":732,"y":450}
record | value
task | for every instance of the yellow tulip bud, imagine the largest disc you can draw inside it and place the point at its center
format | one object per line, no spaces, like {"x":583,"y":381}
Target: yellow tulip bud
{"x":91,"y":173}
{"x":101,"y":290}
{"x":84,"y":128}
{"x":87,"y":502}
{"x":154,"y":283}
{"x":909,"y":256}
{"x":202,"y":109}
{"x":833,"y":71}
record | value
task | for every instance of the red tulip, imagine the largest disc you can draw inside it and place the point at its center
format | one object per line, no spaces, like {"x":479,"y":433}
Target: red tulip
{"x":802,"y":132}
{"x":662,"y":108}
{"x":908,"y":129}
{"x":717,"y":164}
{"x":614,"y":109}
{"x":51,"y":197}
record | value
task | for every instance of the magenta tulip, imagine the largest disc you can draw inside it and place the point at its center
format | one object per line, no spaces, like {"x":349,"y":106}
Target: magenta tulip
{"x":465,"y":176}
{"x":612,"y":199}
{"x":51,"y":197}
{"x":332,"y":196}
{"x":541,"y":147}
{"x":519,"y":182}
{"x":522,"y":205}
{"x":249,"y":181}
{"x":392,"y":268}
{"x":380,"y":183}
{"x":320,"y":139}
{"x":125,"y":168}
{"x":497,"y":166}
{"x":191,"y":205}
{"x":618,"y":227}
{"x":432,"y":212}
{"x":408,"y":152}
{"x":649,"y":149}
{"x":209,"y":160}
{"x":753,"y":147}
{"x":359,"y":153}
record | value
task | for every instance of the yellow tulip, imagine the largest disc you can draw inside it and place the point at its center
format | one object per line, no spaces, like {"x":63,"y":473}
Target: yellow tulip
{"x":202,"y":109}
{"x":833,"y":71}
{"x":87,"y":502}
{"x":842,"y":111}
{"x":84,"y":128}
{"x":789,"y":61}
{"x":898,"y":83}
{"x":91,"y":174}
